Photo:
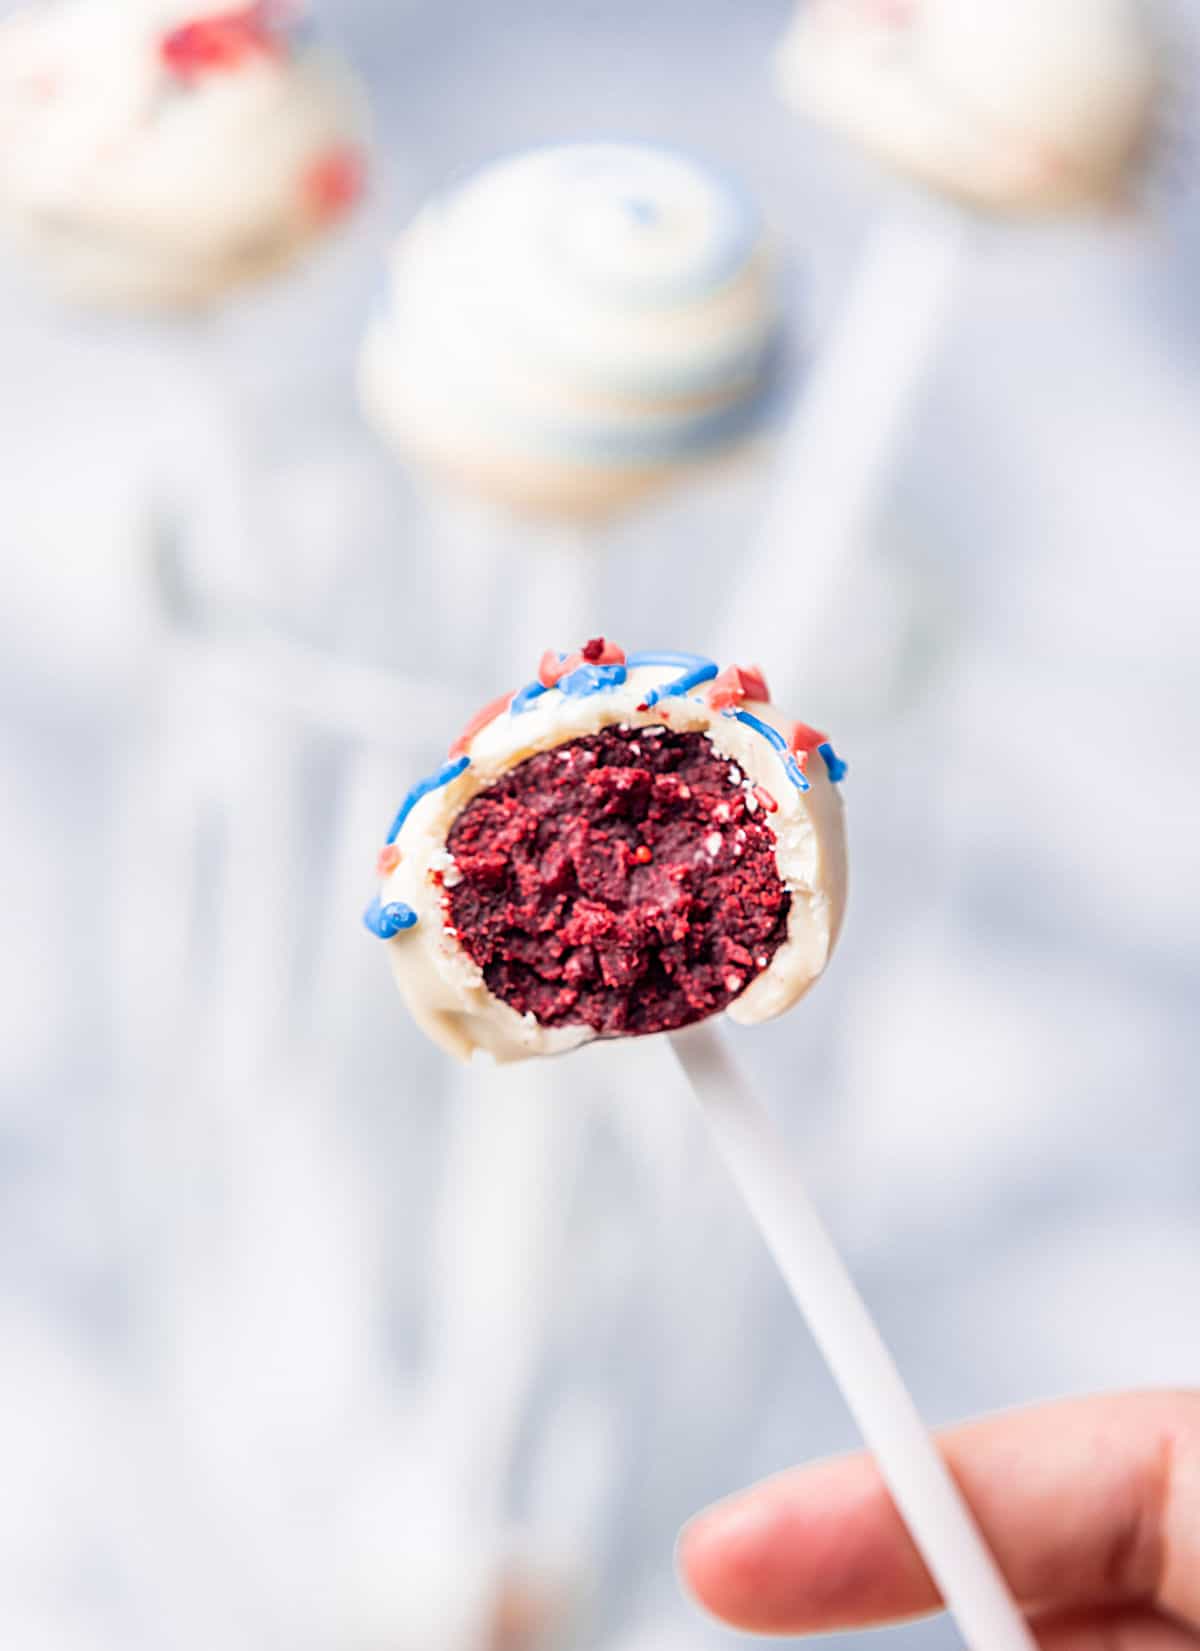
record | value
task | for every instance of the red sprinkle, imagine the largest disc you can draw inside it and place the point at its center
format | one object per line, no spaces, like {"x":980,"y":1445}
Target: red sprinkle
{"x":489,"y":713}
{"x":389,"y":859}
{"x":219,"y":43}
{"x":765,"y":798}
{"x":735,"y":684}
{"x":643,"y":855}
{"x":551,"y":669}
{"x":806,"y":739}
{"x":334,"y":182}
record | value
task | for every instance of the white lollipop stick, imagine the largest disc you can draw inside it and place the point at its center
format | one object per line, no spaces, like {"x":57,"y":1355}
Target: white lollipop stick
{"x":927,"y":1497}
{"x":836,"y":455}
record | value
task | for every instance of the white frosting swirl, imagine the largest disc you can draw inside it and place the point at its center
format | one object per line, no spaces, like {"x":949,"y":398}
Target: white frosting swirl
{"x":1035,"y":105}
{"x":445,"y":989}
{"x":156,"y":153}
{"x":574,"y":323}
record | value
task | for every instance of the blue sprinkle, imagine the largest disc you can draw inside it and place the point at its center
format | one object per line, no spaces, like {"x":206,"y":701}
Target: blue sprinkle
{"x":592,"y":679}
{"x":386,"y":921}
{"x":772,"y":735}
{"x":447,"y":772}
{"x":696,"y":669}
{"x":837,"y":768}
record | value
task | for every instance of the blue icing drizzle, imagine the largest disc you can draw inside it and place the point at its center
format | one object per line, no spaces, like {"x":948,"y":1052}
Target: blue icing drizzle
{"x":696,"y":669}
{"x":592,"y":679}
{"x":447,"y":772}
{"x":773,"y":737}
{"x":836,"y":767}
{"x":580,"y":683}
{"x":386,"y":921}
{"x":523,"y":700}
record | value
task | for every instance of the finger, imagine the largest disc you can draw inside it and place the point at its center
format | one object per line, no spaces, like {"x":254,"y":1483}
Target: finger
{"x":1089,"y":1503}
{"x":1130,"y":1630}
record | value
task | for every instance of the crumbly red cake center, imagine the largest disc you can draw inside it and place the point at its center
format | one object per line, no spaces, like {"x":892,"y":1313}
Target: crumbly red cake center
{"x":619,"y":881}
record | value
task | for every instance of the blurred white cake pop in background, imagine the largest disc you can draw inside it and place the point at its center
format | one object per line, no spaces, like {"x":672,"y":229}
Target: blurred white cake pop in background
{"x":153,"y":157}
{"x":575,"y":326}
{"x":1009,"y":104}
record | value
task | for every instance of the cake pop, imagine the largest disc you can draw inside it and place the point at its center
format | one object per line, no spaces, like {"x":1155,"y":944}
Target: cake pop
{"x":626,"y":845}
{"x":1010,"y":104}
{"x":996,"y":105}
{"x":575,"y":326}
{"x":154,"y":158}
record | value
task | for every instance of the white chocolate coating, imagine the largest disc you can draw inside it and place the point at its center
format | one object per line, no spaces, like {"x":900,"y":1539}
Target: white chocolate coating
{"x":445,"y":989}
{"x":132,"y":184}
{"x":574,"y":326}
{"x":1029,"y":105}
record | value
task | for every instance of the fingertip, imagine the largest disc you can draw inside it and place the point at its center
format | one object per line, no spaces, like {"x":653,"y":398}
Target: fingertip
{"x":815,"y":1549}
{"x":721,"y":1553}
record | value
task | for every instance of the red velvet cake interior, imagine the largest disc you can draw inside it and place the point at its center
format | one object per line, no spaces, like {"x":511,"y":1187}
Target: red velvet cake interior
{"x":619,"y":882}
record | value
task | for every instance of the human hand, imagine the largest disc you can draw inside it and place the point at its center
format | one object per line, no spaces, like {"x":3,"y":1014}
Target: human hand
{"x":1092,"y":1508}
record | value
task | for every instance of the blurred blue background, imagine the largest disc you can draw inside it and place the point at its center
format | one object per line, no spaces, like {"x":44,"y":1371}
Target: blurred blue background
{"x":267,"y":1292}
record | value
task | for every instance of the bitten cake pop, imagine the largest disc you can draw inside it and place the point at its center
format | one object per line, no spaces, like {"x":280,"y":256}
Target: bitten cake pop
{"x":154,"y":156}
{"x":626,"y":845}
{"x":1005,"y":103}
{"x":575,"y":326}
{"x":629,"y":845}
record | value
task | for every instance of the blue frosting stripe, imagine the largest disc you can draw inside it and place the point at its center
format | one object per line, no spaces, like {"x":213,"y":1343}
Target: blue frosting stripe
{"x":837,"y":769}
{"x":433,"y":782}
{"x":695,"y":668}
{"x":387,"y":920}
{"x":773,"y":737}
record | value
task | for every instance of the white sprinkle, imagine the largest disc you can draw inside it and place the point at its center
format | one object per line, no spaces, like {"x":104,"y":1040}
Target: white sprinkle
{"x":760,"y":962}
{"x":733,"y":983}
{"x":735,"y":775}
{"x":685,"y":792}
{"x":713,"y":843}
{"x":444,"y":862}
{"x":751,"y":803}
{"x":722,"y":811}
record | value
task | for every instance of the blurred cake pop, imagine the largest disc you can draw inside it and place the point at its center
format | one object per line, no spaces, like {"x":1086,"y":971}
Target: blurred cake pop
{"x":626,"y":845}
{"x":154,"y":157}
{"x":575,"y":326}
{"x":1011,"y":104}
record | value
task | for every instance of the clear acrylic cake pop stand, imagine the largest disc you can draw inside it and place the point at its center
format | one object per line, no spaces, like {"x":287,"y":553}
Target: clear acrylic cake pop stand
{"x":836,"y":455}
{"x":243,"y":973}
